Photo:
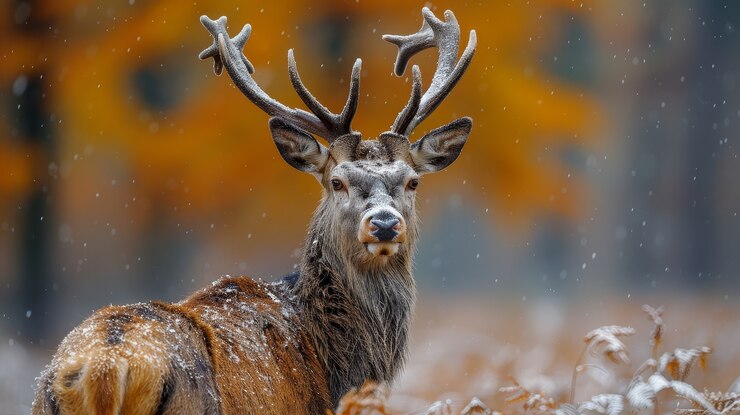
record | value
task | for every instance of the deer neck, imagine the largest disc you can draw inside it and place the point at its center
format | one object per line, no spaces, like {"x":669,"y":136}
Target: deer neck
{"x":358,"y":314}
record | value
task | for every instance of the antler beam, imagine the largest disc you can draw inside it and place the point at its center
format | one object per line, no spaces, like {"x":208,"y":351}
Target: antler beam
{"x":228,"y":53}
{"x":445,"y":35}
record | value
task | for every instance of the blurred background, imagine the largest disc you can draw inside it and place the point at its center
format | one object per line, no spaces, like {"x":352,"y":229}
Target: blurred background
{"x":602,"y":166}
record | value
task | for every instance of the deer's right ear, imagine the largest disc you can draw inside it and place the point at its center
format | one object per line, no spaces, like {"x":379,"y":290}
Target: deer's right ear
{"x":440,"y":147}
{"x":298,"y":148}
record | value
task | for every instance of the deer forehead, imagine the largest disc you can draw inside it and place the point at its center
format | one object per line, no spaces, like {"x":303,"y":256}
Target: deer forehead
{"x":366,"y":174}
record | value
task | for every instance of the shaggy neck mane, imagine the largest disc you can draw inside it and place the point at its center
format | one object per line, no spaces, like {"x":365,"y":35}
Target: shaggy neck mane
{"x":357,"y":313}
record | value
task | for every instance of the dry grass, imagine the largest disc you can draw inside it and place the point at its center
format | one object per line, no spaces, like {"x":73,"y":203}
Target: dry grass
{"x":470,"y":370}
{"x":480,"y":356}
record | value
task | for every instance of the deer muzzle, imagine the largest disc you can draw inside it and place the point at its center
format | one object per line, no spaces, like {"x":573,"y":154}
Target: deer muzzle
{"x":382,"y":230}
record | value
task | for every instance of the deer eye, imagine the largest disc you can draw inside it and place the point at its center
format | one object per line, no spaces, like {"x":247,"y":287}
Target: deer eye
{"x":413,"y":183}
{"x":337,"y":184}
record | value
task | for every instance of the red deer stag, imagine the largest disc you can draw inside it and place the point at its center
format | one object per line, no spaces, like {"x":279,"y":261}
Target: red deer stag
{"x":296,"y":345}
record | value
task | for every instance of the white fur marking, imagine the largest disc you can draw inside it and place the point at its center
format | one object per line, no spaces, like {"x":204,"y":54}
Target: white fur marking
{"x":383,"y":248}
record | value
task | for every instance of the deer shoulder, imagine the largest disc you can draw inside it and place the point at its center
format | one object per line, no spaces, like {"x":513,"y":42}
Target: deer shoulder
{"x":231,"y":347}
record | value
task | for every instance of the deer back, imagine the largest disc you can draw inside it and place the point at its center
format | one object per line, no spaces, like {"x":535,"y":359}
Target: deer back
{"x":234,"y":347}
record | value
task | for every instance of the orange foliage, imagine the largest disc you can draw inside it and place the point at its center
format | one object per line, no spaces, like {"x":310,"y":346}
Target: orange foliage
{"x":207,"y":149}
{"x":16,"y":174}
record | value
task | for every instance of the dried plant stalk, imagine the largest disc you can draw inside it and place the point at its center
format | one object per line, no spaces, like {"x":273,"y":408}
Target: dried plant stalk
{"x":607,"y":404}
{"x":724,"y":403}
{"x":439,"y":408}
{"x":679,"y":362}
{"x":476,"y":407}
{"x":604,"y":340}
{"x":537,"y":403}
{"x":656,"y":336}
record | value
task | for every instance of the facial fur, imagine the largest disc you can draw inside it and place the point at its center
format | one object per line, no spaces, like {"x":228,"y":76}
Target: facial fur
{"x":355,"y":191}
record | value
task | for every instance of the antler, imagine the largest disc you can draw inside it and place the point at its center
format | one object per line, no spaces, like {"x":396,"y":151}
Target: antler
{"x":446,"y":37}
{"x":228,"y":53}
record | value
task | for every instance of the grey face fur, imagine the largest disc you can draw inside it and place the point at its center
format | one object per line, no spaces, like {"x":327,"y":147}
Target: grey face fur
{"x":368,"y":190}
{"x":370,"y":186}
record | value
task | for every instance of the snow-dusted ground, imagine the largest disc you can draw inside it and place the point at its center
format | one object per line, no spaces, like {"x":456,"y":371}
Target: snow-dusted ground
{"x":472,"y":347}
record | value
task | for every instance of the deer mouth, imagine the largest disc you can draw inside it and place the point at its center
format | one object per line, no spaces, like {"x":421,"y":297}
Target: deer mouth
{"x":385,"y":249}
{"x":382,"y":231}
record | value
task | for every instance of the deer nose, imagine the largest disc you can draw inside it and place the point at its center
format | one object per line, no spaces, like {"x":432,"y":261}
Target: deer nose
{"x":384,"y":227}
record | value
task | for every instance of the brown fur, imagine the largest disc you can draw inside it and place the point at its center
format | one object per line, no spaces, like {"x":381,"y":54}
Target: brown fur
{"x":228,"y":349}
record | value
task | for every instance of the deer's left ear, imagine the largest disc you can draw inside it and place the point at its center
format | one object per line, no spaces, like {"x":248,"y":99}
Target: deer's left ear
{"x":298,"y":148}
{"x":440,"y":147}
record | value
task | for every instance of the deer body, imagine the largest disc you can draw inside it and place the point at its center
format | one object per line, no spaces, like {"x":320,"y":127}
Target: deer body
{"x":228,"y":349}
{"x":296,"y":345}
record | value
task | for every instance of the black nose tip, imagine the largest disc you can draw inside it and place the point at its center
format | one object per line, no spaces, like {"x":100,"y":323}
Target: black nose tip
{"x":385,"y":231}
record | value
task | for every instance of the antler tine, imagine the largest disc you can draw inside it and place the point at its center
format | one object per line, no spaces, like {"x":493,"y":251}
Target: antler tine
{"x":337,"y":124}
{"x":405,"y":117}
{"x":227,"y":53}
{"x":353,"y":97}
{"x":445,"y":35}
{"x":213,"y":51}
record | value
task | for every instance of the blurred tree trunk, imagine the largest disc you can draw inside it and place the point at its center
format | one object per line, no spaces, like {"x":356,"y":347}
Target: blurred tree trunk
{"x":708,"y":121}
{"x":686,"y":108}
{"x":700,"y":172}
{"x":35,"y":128}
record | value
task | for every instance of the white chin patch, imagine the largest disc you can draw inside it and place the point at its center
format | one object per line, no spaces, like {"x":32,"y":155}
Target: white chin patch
{"x":383,"y":248}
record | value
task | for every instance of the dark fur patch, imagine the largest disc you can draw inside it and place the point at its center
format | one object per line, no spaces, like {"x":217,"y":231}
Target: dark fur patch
{"x":205,"y":330}
{"x":440,"y":161}
{"x":224,"y":292}
{"x":117,"y":324}
{"x":164,"y":398}
{"x":205,"y":376}
{"x":147,"y":312}
{"x":324,"y":279}
{"x":291,"y":279}
{"x":203,"y":369}
{"x":71,"y":378}
{"x":232,"y":286}
{"x":51,"y":400}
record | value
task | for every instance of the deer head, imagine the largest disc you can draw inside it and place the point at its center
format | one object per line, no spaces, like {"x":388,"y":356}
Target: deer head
{"x":369,"y":185}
